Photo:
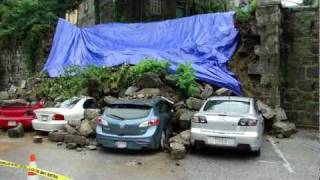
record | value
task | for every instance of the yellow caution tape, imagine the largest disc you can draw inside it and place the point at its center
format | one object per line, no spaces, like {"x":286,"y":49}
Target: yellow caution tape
{"x":38,"y":171}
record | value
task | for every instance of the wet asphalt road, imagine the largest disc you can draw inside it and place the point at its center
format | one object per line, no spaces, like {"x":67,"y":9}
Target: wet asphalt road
{"x":295,"y":158}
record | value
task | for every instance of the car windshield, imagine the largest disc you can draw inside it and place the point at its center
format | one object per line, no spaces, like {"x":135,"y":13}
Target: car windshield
{"x":69,"y":103}
{"x":227,"y":106}
{"x":127,"y":111}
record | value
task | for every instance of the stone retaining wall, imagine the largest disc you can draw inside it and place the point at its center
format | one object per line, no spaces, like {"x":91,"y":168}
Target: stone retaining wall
{"x":300,"y":62}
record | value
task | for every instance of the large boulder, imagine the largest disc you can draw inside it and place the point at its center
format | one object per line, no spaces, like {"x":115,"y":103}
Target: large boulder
{"x":207,"y":91}
{"x":280,"y":114}
{"x":171,"y":80}
{"x":194,"y":103}
{"x":131,"y":90}
{"x":93,"y":125}
{"x":85,"y":128}
{"x":91,"y":113}
{"x":177,"y":151}
{"x":267,"y":112}
{"x":181,"y":138}
{"x":12,"y":89}
{"x":79,"y":140}
{"x":16,"y":132}
{"x":109,"y":99}
{"x":223,"y":92}
{"x":57,"y":136}
{"x":4,"y":95}
{"x":285,"y":128}
{"x":183,"y":117}
{"x":149,"y":80}
{"x":71,"y":129}
{"x":147,"y":92}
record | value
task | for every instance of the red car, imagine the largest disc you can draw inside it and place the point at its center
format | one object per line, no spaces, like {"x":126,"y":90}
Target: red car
{"x":12,"y":114}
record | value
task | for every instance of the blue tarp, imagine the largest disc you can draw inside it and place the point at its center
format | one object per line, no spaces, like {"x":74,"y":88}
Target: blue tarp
{"x":207,"y":41}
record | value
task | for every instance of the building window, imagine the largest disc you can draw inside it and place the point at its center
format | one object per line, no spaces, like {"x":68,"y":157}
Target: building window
{"x":155,"y":6}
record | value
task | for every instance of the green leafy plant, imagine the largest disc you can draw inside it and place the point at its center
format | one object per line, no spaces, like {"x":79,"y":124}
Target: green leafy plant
{"x":242,"y":15}
{"x":150,"y":65}
{"x":185,"y":75}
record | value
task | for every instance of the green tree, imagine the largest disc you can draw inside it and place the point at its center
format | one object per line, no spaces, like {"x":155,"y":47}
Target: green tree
{"x":28,"y":21}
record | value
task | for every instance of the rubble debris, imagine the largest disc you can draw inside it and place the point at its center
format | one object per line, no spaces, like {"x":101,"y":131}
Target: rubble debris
{"x":181,"y":138}
{"x":79,"y":149}
{"x":59,"y":143}
{"x":57,"y":136}
{"x":85,"y":128}
{"x":207,"y":91}
{"x":71,"y":145}
{"x":183,"y":117}
{"x":79,"y":140}
{"x":92,"y":147}
{"x":16,"y":132}
{"x":131,"y":91}
{"x":280,"y":114}
{"x":285,"y":128}
{"x":149,"y":80}
{"x":4,"y":95}
{"x":171,"y":80}
{"x":148,"y":92}
{"x":177,"y":151}
{"x":37,"y":139}
{"x":194,"y":103}
{"x":70,"y":129}
{"x":267,"y":112}
{"x":23,"y":84}
{"x":12,"y":89}
{"x":109,"y":99}
{"x":223,"y":92}
{"x":91,"y":113}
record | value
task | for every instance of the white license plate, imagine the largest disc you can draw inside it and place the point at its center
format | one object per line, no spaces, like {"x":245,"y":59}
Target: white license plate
{"x":121,"y":144}
{"x":12,"y":123}
{"x":221,"y":141}
{"x":44,"y":118}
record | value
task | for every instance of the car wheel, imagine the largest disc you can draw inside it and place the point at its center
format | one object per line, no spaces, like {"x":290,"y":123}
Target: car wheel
{"x":256,"y":153}
{"x":163,"y":140}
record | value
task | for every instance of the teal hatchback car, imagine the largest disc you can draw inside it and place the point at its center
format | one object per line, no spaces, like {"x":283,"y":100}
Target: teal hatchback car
{"x":135,"y":124}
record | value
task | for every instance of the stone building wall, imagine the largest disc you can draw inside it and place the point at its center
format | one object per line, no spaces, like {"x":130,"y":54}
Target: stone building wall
{"x":300,"y":62}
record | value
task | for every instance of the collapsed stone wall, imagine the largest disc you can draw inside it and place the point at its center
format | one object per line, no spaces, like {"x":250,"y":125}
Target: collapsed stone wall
{"x":300,"y":62}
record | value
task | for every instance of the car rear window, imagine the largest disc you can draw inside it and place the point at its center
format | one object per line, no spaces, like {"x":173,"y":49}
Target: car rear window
{"x":127,"y":111}
{"x":227,"y":106}
{"x":69,"y":103}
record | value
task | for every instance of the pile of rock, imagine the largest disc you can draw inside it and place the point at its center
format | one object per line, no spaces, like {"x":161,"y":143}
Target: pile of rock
{"x":77,"y":135}
{"x":277,"y":117}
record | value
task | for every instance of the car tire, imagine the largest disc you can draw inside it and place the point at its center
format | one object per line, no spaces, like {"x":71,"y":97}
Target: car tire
{"x":256,"y":153}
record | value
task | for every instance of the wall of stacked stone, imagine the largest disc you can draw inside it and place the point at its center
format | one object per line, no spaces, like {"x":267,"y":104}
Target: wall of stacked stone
{"x":268,"y":18}
{"x":11,"y":66}
{"x":300,"y":65}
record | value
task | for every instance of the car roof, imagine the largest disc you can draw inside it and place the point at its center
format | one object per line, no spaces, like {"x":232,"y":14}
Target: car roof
{"x":234,"y":98}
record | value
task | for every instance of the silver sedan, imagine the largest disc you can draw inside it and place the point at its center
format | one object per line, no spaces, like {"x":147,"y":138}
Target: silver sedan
{"x":228,"y":121}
